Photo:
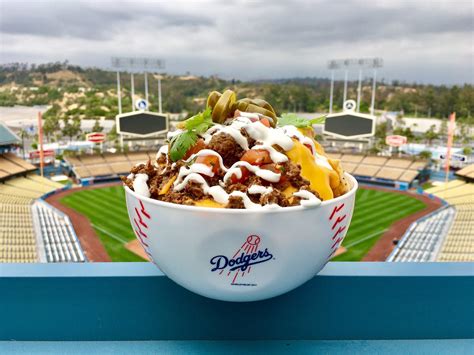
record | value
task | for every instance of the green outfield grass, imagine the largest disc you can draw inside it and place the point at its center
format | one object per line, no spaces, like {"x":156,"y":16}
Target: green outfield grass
{"x":106,"y":210}
{"x":375,"y":211}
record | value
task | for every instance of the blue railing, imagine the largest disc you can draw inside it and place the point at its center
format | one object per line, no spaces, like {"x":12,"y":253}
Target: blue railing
{"x":136,"y":302}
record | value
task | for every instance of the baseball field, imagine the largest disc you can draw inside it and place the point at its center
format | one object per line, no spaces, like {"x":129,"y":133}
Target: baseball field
{"x":375,"y":211}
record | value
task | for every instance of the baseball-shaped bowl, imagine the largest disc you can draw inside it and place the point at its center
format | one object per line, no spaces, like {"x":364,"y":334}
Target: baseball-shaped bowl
{"x":236,"y":254}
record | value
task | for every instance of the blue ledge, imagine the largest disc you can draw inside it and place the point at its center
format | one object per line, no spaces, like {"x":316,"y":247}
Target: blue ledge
{"x":458,"y":346}
{"x":136,"y":302}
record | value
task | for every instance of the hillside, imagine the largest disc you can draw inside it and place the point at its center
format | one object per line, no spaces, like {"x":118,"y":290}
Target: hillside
{"x":76,"y":92}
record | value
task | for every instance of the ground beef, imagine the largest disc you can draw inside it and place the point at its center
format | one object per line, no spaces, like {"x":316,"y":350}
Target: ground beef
{"x":292,"y":173}
{"x":154,"y":183}
{"x":236,"y":187}
{"x":194,"y":190}
{"x":180,"y":198}
{"x":235,"y":202}
{"x":127,"y":182}
{"x":227,"y":147}
{"x":147,"y":168}
{"x":162,"y":159}
{"x":274,"y":197}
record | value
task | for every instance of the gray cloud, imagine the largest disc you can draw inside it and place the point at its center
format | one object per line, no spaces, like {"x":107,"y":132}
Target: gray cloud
{"x":420,"y":40}
{"x":89,"y":20}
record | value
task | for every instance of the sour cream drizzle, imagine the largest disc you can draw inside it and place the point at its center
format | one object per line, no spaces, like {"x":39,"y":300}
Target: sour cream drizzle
{"x":264,"y":174}
{"x":307,"y":198}
{"x":140,"y":186}
{"x":259,"y":189}
{"x":196,"y":168}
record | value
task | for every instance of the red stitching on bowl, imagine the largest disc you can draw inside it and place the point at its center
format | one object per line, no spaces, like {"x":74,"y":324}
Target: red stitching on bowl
{"x":144,"y":210}
{"x":338,"y":220}
{"x":336,"y":209}
{"x":340,"y":230}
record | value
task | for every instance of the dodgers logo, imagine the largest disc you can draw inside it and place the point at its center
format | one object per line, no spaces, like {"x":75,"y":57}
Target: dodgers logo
{"x":242,"y":261}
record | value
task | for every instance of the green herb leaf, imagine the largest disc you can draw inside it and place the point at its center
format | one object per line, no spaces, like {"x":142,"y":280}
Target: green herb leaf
{"x":181,"y":143}
{"x":201,"y":122}
{"x":193,"y":126}
{"x":291,"y":119}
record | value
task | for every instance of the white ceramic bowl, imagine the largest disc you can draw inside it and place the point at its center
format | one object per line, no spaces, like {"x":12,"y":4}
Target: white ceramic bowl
{"x":240,"y":255}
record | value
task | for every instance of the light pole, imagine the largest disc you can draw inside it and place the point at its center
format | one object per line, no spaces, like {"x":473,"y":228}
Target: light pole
{"x":360,"y":64}
{"x":132,"y":84}
{"x":136,"y":65}
{"x":345,"y":86}
{"x":160,"y":108}
{"x":146,"y":89}
{"x":332,"y":66}
{"x":372,"y":101}
{"x":119,"y":94}
{"x":359,"y":88}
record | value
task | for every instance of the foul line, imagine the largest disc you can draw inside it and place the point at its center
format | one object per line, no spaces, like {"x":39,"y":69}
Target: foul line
{"x":110,"y":234}
{"x":370,"y":236}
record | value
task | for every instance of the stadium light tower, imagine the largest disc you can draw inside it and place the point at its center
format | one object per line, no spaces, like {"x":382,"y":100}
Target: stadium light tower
{"x":332,"y":66}
{"x":360,"y":64}
{"x":136,"y":65}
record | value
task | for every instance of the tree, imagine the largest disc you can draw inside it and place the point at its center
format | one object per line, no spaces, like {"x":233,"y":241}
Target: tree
{"x":443,"y":129}
{"x":431,"y":134}
{"x":51,"y":126}
{"x":71,"y":129}
{"x":97,"y":127}
{"x":23,"y":134}
{"x":467,"y":150}
{"x":425,"y":154}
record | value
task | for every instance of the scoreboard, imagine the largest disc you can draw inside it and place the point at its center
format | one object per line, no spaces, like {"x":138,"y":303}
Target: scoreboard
{"x":349,"y":124}
{"x":142,"y":124}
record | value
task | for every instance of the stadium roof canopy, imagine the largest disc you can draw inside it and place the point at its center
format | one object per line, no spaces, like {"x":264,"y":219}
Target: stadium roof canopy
{"x":7,"y":136}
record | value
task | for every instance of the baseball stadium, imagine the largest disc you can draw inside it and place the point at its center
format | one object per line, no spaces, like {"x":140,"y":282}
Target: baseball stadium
{"x":236,"y":177}
{"x":74,"y":210}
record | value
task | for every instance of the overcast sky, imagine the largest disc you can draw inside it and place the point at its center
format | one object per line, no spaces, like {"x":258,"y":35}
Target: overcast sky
{"x":422,"y":41}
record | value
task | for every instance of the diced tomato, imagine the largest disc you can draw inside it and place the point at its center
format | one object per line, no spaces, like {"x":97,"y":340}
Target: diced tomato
{"x":211,"y":161}
{"x":265,"y":121}
{"x":276,"y":169}
{"x":198,"y":146}
{"x":256,"y":157}
{"x":245,"y":174}
{"x":309,"y":147}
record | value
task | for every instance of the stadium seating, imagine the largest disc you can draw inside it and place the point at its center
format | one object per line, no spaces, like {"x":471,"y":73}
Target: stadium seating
{"x":367,"y":170}
{"x":86,"y":166}
{"x":370,"y":160}
{"x":390,"y":173}
{"x":391,"y":169}
{"x":18,"y":240}
{"x":423,"y":239}
{"x":398,"y":163}
{"x":445,"y":235}
{"x":467,"y":172}
{"x":352,"y":158}
{"x":59,"y":240}
{"x":11,"y":165}
{"x":408,"y":176}
{"x":459,"y":243}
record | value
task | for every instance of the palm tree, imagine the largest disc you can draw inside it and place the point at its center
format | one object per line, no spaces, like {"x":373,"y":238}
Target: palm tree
{"x":23,"y":134}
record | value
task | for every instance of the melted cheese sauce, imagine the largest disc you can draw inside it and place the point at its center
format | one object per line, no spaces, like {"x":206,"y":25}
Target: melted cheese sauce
{"x":320,"y":177}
